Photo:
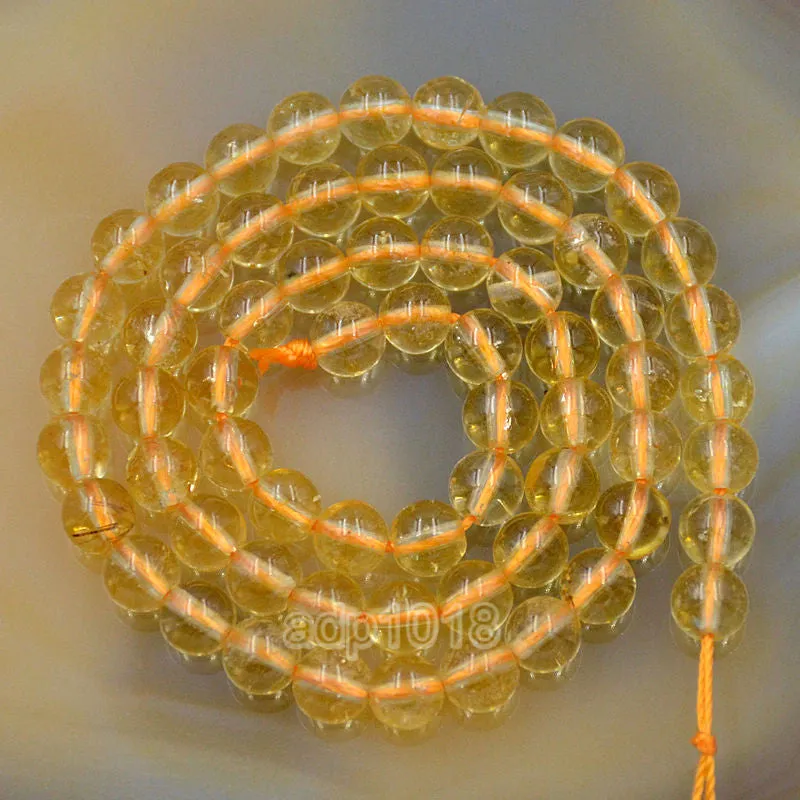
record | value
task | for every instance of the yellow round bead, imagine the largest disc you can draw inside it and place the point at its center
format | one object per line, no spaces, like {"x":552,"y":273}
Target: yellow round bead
{"x":592,"y":137}
{"x":221,"y":379}
{"x":417,"y":301}
{"x":717,"y":388}
{"x":529,"y":191}
{"x":74,"y":378}
{"x":718,"y":528}
{"x":657,"y":366}
{"x":245,"y":670}
{"x":72,"y":448}
{"x":650,"y":182}
{"x":417,"y":710}
{"x":393,"y":180}
{"x":195,"y":550}
{"x":500,"y":414}
{"x":455,"y":97}
{"x":172,"y":182}
{"x":534,"y":283}
{"x":486,"y":688}
{"x":549,"y":551}
{"x":476,"y":617}
{"x":588,"y":249}
{"x":723,"y":321}
{"x":516,"y":110}
{"x":370,"y":94}
{"x":383,"y":253}
{"x":226,"y":444}
{"x":678,"y":251}
{"x":562,"y":483}
{"x":188,"y":259}
{"x":487,"y":485}
{"x":71,"y":299}
{"x":709,"y":599}
{"x":645,"y":504}
{"x":272,"y":235}
{"x":482,"y":345}
{"x":237,"y":142}
{"x":304,"y":111}
{"x":153,"y":319}
{"x":291,"y":490}
{"x":306,"y":260}
{"x":424,"y":521}
{"x":325,"y":199}
{"x":576,"y":412}
{"x":360,"y":352}
{"x":720,"y":455}
{"x":251,"y":595}
{"x":644,"y":445}
{"x":466,"y":183}
{"x":418,"y":631}
{"x":351,"y":519}
{"x":275,"y":317}
{"x":456,"y":253}
{"x":543,"y":350}
{"x":647,"y":306}
{"x":160,"y":473}
{"x":131,"y":403}
{"x":96,"y":513}
{"x":145,"y":257}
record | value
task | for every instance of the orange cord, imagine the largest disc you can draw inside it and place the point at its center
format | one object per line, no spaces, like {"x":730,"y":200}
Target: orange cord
{"x":705,"y":782}
{"x":297,"y":353}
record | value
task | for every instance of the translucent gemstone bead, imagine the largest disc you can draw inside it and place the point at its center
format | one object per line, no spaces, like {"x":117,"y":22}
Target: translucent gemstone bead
{"x":357,"y":355}
{"x":459,"y":100}
{"x":172,"y":182}
{"x":145,"y":256}
{"x":717,"y":528}
{"x":521,"y":111}
{"x":236,"y":142}
{"x":273,"y":235}
{"x":551,"y":654}
{"x":157,"y":320}
{"x":319,"y":189}
{"x":424,"y":521}
{"x":546,"y":356}
{"x":74,"y":378}
{"x":548,"y":548}
{"x":413,"y":634}
{"x":368,"y":94}
{"x":71,"y":299}
{"x":482,"y":345}
{"x":522,"y":267}
{"x":702,"y":321}
{"x":720,"y":455}
{"x":72,"y":448}
{"x":415,"y":711}
{"x":641,"y":506}
{"x":465,"y":182}
{"x":576,"y":412}
{"x":500,"y":414}
{"x":148,"y":402}
{"x":607,"y":311}
{"x":709,"y":599}
{"x":384,"y":253}
{"x":393,"y":180}
{"x":309,"y":258}
{"x":221,"y":379}
{"x":417,"y":301}
{"x":562,"y":483}
{"x":301,"y":112}
{"x":95,"y":513}
{"x":188,"y":259}
{"x":654,"y":184}
{"x":245,"y":670}
{"x":487,"y":485}
{"x":456,"y":253}
{"x":189,"y":639}
{"x":645,"y":445}
{"x":127,"y":590}
{"x":473,"y":602}
{"x":324,"y":705}
{"x":293,"y":490}
{"x":486,"y":687}
{"x":678,"y":252}
{"x":642,"y":366}
{"x":351,"y":519}
{"x":588,"y":249}
{"x":253,"y":596}
{"x":195,"y":550}
{"x":275,"y":316}
{"x":593,"y":137}
{"x":524,"y":219}
{"x":233,"y":445}
{"x":718,"y":388}
{"x":160,"y":473}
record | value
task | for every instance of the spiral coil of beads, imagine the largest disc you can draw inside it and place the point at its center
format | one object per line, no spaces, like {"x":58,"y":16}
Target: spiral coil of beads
{"x":224,"y":223}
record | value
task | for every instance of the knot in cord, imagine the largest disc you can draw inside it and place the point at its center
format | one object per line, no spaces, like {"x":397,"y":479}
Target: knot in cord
{"x":296,"y":353}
